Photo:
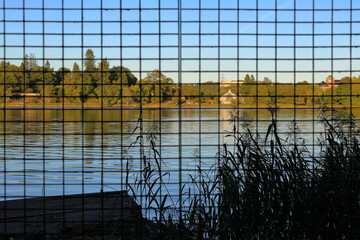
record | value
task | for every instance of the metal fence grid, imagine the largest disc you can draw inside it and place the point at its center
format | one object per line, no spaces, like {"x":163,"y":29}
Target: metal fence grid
{"x":179,"y":119}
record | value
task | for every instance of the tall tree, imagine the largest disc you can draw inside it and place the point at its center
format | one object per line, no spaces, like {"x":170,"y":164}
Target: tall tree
{"x":89,"y":61}
{"x":60,"y":74}
{"x":142,"y":91}
{"x":122,"y":75}
{"x":14,"y":78}
{"x":72,"y":85}
{"x":252,"y":78}
{"x":28,"y":68}
{"x":247,"y":78}
{"x":267,"y":80}
{"x":161,"y":86}
{"x":46,"y":86}
{"x":107,"y":91}
{"x":2,"y":82}
{"x":248,"y":89}
{"x":90,"y":79}
{"x":30,"y":62}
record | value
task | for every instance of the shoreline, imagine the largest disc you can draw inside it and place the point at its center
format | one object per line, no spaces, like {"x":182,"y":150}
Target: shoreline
{"x":163,"y":106}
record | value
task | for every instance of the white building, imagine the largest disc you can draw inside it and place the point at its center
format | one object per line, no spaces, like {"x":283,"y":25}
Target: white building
{"x":228,"y":98}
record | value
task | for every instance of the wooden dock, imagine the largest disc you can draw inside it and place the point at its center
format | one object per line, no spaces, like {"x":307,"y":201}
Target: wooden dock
{"x":112,"y":215}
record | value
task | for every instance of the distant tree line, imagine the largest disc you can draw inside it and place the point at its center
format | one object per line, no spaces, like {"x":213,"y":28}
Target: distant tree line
{"x":108,"y":86}
{"x":347,"y":93}
{"x":97,"y":81}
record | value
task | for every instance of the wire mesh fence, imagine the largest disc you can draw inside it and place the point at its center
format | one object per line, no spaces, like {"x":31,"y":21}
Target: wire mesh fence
{"x":179,"y":119}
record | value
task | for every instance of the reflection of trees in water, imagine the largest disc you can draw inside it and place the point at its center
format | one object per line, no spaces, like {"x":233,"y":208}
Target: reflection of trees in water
{"x":114,"y":132}
{"x":91,"y":128}
{"x":116,"y":126}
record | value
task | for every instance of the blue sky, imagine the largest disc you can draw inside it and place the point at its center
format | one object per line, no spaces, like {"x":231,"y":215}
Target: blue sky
{"x":212,"y":43}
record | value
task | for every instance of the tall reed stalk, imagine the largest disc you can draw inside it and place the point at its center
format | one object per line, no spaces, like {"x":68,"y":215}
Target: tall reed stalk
{"x":267,"y":187}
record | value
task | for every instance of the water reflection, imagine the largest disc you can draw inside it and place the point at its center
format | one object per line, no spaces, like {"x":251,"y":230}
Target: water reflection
{"x":70,"y":151}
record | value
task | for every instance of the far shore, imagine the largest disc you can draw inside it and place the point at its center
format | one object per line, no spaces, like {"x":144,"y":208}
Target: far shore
{"x":19,"y":105}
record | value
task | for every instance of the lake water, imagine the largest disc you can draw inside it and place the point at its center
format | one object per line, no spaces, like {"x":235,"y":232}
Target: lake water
{"x":55,"y":152}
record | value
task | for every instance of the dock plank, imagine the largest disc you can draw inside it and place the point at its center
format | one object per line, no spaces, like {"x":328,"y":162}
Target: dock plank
{"x":51,"y":216}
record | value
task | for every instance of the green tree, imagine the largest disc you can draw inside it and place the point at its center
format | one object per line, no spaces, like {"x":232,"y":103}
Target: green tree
{"x":210,"y":92}
{"x":60,"y":74}
{"x":285,"y":93}
{"x":126,"y":96}
{"x":107,"y":91}
{"x":13,"y":78}
{"x":28,"y":68}
{"x":267,"y":80}
{"x":258,"y":94}
{"x":263,"y":94}
{"x":30,"y":62}
{"x":90,"y":75}
{"x":2,"y":82}
{"x":328,"y":96}
{"x":72,"y":85}
{"x":89,"y":61}
{"x":142,"y":91}
{"x":252,"y":78}
{"x":190,"y":92}
{"x":348,"y":91}
{"x":45,"y":83}
{"x":122,"y":75}
{"x":247,"y":78}
{"x":104,"y":70}
{"x":156,"y":87}
{"x":317,"y":94}
{"x":303,"y":93}
{"x":248,"y":89}
{"x":35,"y":77}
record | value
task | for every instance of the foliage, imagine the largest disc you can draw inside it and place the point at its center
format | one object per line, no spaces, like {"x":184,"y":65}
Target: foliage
{"x":108,"y":85}
{"x":72,"y":85}
{"x":154,"y":88}
{"x":60,"y":74}
{"x":348,"y":92}
{"x":107,"y":91}
{"x":90,"y":61}
{"x":122,"y":75}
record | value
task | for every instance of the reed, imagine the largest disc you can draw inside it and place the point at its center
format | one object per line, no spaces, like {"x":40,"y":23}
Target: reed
{"x":265,"y":187}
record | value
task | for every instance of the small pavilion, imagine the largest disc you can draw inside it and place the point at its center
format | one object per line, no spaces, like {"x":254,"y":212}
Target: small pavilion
{"x":229,"y":98}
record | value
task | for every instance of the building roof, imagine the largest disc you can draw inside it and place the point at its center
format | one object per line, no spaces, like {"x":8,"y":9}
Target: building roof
{"x":228,"y":97}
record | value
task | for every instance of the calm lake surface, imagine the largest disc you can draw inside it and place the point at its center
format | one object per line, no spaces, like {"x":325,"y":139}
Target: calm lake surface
{"x":54,"y":152}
